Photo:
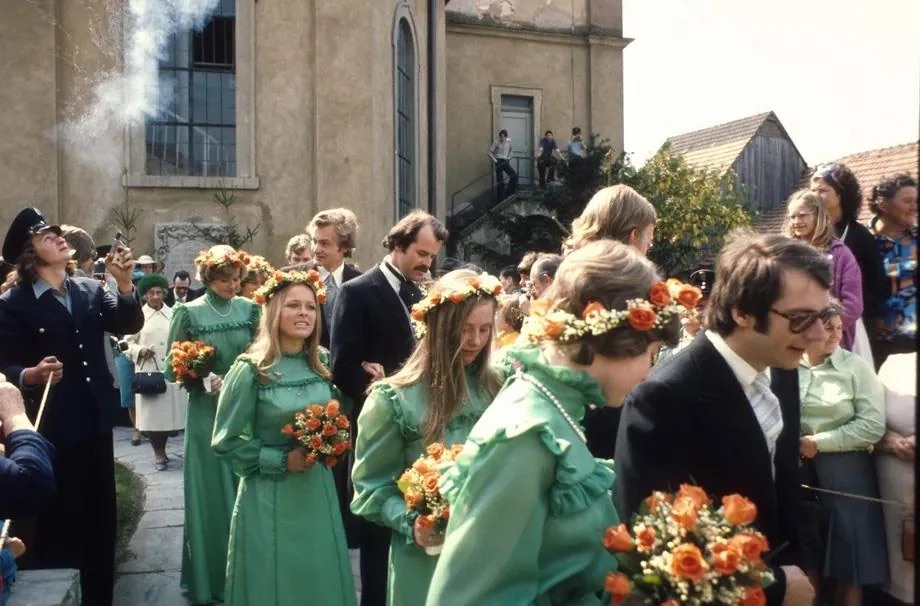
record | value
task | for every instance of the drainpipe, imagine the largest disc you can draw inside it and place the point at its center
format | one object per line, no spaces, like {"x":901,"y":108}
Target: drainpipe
{"x":433,"y":7}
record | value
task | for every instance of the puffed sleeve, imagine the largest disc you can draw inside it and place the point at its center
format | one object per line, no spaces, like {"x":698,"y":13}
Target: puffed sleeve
{"x":234,"y":438}
{"x":379,"y":461}
{"x":497,"y":517}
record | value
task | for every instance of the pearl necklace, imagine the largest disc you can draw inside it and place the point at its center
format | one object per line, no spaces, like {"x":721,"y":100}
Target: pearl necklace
{"x":555,"y":401}
{"x":220,"y":315}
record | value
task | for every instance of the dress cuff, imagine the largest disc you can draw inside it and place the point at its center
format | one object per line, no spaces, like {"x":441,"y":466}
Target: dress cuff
{"x":272,"y":460}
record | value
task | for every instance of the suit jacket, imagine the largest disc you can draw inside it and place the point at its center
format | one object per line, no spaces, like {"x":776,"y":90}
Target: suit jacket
{"x":692,"y":423}
{"x":349,"y":272}
{"x":371,"y":325}
{"x":193,"y":294}
{"x":83,"y":404}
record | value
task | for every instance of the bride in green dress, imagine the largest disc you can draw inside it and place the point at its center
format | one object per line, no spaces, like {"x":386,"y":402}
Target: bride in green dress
{"x":287,"y":542}
{"x":437,"y":396}
{"x":227,"y":323}
{"x":529,"y":503}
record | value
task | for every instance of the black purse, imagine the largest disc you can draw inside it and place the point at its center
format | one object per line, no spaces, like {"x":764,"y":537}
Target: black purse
{"x":149,"y":383}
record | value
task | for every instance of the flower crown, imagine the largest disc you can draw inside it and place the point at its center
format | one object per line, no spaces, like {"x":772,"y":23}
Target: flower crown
{"x":280,"y":279}
{"x":481,"y":285}
{"x":258,"y":263}
{"x":665,"y":300}
{"x":207,"y":260}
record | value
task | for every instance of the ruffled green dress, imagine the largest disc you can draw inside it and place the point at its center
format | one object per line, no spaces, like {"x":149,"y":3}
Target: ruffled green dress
{"x":287,"y":542}
{"x":390,"y":439}
{"x":210,"y":486}
{"x":529,"y":503}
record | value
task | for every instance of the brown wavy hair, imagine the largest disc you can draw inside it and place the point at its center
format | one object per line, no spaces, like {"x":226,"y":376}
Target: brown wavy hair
{"x":612,"y":214}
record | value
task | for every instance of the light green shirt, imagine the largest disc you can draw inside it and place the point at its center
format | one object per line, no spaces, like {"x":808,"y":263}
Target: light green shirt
{"x":843,"y":403}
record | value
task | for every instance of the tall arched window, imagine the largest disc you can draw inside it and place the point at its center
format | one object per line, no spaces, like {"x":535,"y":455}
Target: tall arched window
{"x":406,"y":119}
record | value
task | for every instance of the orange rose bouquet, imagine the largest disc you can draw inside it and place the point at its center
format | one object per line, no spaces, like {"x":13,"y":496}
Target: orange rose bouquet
{"x":323,"y":431}
{"x":682,"y":549}
{"x":192,"y":361}
{"x":419,"y":485}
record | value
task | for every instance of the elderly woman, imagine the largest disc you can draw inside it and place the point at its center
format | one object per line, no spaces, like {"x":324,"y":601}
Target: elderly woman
{"x":157,"y":415}
{"x":894,"y":225}
{"x":895,"y":458}
{"x":843,"y":417}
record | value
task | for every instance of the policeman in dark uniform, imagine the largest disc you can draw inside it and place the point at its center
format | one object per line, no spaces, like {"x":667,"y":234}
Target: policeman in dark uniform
{"x":51,"y":327}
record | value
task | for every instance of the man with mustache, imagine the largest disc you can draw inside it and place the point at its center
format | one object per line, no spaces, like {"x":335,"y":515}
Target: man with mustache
{"x":372,"y":339}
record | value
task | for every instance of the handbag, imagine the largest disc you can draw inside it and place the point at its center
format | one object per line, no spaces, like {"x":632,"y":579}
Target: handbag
{"x":907,"y":539}
{"x":149,"y":383}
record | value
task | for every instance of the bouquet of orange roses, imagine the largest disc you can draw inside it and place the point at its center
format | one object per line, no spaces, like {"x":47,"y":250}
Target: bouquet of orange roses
{"x":192,"y":362}
{"x":419,"y":485}
{"x":322,"y":431}
{"x":681,"y":549}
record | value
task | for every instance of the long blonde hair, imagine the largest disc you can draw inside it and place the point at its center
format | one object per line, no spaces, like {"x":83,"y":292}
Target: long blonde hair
{"x":823,"y":234}
{"x":437,"y":359}
{"x":612,"y":214}
{"x":265,"y":350}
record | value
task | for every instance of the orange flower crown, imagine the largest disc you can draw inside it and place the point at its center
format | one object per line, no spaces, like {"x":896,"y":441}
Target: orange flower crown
{"x":207,"y":260}
{"x":483,"y":285}
{"x":258,"y":263}
{"x":665,"y":300}
{"x":279,"y":279}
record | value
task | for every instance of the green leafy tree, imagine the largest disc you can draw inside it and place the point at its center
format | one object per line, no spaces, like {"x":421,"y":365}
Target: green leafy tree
{"x":696,"y":207}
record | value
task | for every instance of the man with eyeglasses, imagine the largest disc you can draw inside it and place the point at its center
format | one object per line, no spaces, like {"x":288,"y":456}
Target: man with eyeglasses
{"x":724,"y":414}
{"x":182,"y":291}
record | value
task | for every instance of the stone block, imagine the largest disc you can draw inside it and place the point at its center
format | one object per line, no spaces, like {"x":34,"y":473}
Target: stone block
{"x":54,"y":587}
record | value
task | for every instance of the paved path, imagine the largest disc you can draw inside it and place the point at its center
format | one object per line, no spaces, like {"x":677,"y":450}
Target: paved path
{"x":150,"y":574}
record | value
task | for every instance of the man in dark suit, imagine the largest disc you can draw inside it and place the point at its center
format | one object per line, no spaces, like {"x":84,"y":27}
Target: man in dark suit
{"x":334,"y":233}
{"x":372,"y":337}
{"x":724,"y":413}
{"x":51,"y":328}
{"x":181,"y":291}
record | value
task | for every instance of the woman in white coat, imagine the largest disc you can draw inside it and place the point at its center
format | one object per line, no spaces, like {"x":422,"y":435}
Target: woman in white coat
{"x":159,"y":415}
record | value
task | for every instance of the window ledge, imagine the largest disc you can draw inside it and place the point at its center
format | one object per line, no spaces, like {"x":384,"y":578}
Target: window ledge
{"x":190,"y":182}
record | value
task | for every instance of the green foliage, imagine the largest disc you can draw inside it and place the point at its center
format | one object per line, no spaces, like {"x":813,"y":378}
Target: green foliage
{"x":129,"y":500}
{"x":696,"y":208}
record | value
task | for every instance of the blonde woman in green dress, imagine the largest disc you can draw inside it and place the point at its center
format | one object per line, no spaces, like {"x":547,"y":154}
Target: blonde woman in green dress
{"x":529,"y":503}
{"x":287,"y":542}
{"x":227,"y":323}
{"x":437,"y":396}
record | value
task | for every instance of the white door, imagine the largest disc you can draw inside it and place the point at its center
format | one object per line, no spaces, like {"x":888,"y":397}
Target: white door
{"x":517,"y":119}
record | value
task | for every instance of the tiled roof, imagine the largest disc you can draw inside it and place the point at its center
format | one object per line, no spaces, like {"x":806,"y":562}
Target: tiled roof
{"x":869,"y":167}
{"x":717,"y":147}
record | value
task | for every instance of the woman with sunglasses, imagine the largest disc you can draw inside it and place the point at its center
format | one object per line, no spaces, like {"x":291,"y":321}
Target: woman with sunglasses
{"x":843,"y":417}
{"x":839,"y":188}
{"x":807,"y":220}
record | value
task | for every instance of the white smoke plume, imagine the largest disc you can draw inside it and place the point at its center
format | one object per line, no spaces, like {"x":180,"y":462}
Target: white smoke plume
{"x":124,"y":97}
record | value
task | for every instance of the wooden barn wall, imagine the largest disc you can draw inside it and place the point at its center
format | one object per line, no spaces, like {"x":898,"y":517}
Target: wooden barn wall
{"x":770,"y":168}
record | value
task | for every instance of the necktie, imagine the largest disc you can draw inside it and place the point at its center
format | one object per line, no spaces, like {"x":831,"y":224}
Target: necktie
{"x":768,"y":412}
{"x":409,"y":292}
{"x":332,"y":292}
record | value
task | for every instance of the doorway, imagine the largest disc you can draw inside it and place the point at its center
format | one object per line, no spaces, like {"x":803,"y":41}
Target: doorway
{"x":517,"y":118}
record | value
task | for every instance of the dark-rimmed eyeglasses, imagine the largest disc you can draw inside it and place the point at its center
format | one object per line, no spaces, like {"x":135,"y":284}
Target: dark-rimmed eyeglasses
{"x":800,"y":321}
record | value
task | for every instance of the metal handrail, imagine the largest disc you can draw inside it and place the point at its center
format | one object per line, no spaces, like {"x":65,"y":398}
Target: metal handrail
{"x":516,"y":160}
{"x":453,"y":196}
